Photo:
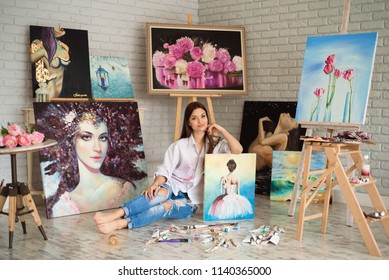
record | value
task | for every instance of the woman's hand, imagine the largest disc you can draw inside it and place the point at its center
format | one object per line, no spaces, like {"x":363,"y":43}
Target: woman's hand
{"x":215,"y":127}
{"x":151,"y":192}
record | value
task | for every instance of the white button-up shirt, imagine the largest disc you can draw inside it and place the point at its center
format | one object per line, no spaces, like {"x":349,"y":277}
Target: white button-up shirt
{"x":183,"y":166}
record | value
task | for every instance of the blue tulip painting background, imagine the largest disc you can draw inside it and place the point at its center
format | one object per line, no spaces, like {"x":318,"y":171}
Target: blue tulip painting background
{"x":336,"y":78}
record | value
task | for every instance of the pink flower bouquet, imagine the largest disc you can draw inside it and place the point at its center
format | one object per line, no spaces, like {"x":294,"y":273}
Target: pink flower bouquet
{"x":14,"y":136}
{"x":191,"y":63}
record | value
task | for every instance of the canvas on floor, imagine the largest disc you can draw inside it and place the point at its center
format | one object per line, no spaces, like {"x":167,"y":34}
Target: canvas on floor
{"x":284,"y":172}
{"x":336,"y":78}
{"x":94,"y":166}
{"x":229,"y":186}
{"x":268,"y":127}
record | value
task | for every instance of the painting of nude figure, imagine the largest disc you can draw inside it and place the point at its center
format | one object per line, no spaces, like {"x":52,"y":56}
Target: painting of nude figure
{"x":268,"y":127}
{"x":59,"y":62}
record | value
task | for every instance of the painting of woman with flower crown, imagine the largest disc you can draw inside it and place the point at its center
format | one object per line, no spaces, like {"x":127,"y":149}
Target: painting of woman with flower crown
{"x":336,"y":78}
{"x":95,"y":166}
{"x":195,"y":59}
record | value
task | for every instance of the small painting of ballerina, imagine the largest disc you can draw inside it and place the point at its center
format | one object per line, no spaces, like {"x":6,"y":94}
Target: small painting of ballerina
{"x":229,"y":186}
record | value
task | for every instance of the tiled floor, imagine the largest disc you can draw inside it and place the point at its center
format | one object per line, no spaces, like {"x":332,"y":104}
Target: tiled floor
{"x":77,"y":238}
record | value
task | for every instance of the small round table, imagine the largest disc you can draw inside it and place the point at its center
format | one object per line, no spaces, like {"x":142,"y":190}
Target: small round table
{"x":19,"y":192}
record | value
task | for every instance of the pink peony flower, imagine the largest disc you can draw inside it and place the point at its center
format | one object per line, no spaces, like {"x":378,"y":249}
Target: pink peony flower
{"x":10,"y":141}
{"x":348,"y":74}
{"x":23,"y":140}
{"x":216,"y":65}
{"x":195,"y":69}
{"x":176,"y":51}
{"x":331,"y":60}
{"x":196,"y":53}
{"x":223,"y":55}
{"x":185,"y":43}
{"x":37,"y":137}
{"x":158,"y":58}
{"x":169,"y":61}
{"x":319,"y":92}
{"x":328,"y":69}
{"x":15,"y":130}
{"x":229,"y":66}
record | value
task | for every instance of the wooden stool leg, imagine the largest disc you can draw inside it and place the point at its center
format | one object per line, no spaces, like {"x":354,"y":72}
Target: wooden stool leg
{"x":34,"y":212}
{"x":20,"y":207}
{"x":3,"y":197}
{"x":12,"y":213}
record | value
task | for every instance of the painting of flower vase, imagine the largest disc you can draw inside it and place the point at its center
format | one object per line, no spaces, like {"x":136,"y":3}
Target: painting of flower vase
{"x":195,"y":59}
{"x":336,"y":78}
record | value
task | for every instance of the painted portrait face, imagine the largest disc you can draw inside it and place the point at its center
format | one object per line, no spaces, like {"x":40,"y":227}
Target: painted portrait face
{"x":92,"y":143}
{"x":198,"y":120}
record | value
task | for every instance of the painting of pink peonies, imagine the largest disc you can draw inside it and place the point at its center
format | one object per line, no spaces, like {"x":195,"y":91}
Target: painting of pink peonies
{"x":195,"y":59}
{"x":336,"y":78}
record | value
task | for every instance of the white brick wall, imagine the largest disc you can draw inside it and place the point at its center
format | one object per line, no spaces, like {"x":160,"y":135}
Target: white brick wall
{"x":276,"y":31}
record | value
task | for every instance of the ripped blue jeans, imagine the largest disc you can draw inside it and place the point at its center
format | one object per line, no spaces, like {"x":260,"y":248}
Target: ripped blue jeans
{"x":142,"y":211}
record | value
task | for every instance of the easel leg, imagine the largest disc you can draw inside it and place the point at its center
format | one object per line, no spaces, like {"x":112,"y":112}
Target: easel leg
{"x":210,"y":109}
{"x":178,"y":118}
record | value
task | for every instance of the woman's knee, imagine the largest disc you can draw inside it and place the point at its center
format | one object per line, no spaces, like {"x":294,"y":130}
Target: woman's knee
{"x":167,"y":205}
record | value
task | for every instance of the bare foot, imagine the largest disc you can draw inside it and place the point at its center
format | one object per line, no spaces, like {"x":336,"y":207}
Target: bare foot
{"x":101,"y":217}
{"x":113,"y":225}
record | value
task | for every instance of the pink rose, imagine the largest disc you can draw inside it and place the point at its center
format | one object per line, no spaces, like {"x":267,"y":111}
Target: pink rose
{"x":37,"y":137}
{"x":195,"y":69}
{"x":328,"y":68}
{"x":15,"y":129}
{"x":348,"y":74}
{"x":319,"y":92}
{"x":331,"y":60}
{"x":10,"y":141}
{"x":23,"y":140}
{"x":216,"y":65}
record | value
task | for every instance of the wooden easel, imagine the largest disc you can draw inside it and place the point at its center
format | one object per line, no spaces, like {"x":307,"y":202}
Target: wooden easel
{"x":334,"y":151}
{"x":330,"y":128}
{"x":191,"y":98}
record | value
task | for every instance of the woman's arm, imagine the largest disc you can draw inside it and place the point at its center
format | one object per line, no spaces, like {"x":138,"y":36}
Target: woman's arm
{"x":235,"y":146}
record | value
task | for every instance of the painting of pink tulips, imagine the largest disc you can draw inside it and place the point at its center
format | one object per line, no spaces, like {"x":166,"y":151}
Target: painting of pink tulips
{"x":195,"y":59}
{"x":336,"y":78}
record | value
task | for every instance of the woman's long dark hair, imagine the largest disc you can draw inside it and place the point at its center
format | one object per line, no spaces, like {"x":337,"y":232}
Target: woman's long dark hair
{"x":187,"y":130}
